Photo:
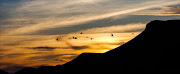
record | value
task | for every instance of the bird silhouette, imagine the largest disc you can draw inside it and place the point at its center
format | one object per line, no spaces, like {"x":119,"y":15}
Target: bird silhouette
{"x":91,"y":38}
{"x":112,"y":34}
{"x":75,"y":38}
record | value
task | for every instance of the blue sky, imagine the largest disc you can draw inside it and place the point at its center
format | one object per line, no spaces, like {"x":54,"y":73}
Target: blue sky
{"x":9,"y":1}
{"x":33,"y":12}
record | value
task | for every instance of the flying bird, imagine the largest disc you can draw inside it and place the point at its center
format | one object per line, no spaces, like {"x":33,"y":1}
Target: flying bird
{"x":91,"y":38}
{"x":75,"y":38}
{"x":112,"y":34}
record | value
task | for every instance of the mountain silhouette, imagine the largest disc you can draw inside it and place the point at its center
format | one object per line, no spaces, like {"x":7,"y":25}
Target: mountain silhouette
{"x":156,"y":49}
{"x":3,"y":72}
{"x":27,"y":70}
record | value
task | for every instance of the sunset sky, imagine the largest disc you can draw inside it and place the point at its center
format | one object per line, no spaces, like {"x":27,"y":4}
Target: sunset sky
{"x":29,"y":28}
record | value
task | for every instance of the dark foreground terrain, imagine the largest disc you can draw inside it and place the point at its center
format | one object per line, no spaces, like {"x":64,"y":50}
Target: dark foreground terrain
{"x":156,"y":49}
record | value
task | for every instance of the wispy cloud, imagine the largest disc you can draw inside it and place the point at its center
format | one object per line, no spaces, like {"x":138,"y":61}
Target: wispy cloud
{"x":46,"y":13}
{"x":164,"y":11}
{"x":134,"y":27}
{"x":48,"y":57}
{"x":19,"y":20}
{"x":42,"y":48}
{"x":46,"y":48}
{"x":172,"y":10}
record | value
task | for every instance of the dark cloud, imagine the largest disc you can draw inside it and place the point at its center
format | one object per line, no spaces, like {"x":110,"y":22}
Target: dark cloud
{"x":1,"y":50}
{"x":2,"y":53}
{"x":155,"y":9}
{"x":48,"y":57}
{"x":41,"y":48}
{"x":19,"y":42}
{"x":1,"y":56}
{"x":173,"y":10}
{"x":37,"y":53}
{"x":12,"y":44}
{"x":46,"y":48}
{"x":178,"y":5}
{"x":77,"y":47}
{"x":14,"y":55}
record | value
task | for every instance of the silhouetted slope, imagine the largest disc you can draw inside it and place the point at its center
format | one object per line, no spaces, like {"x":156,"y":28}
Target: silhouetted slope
{"x":27,"y":70}
{"x":156,"y":35}
{"x":84,"y":63}
{"x":3,"y":72}
{"x":156,"y":49}
{"x":47,"y":69}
